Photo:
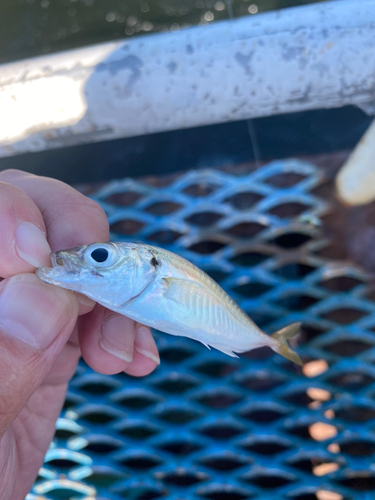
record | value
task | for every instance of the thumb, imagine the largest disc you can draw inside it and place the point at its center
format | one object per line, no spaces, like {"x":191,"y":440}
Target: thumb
{"x":36,"y":321}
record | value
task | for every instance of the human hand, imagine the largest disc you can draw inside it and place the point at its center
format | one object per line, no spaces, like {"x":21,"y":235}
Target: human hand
{"x":44,"y":329}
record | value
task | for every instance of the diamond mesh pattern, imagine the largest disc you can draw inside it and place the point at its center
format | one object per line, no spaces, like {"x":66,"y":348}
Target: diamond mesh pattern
{"x":207,"y":426}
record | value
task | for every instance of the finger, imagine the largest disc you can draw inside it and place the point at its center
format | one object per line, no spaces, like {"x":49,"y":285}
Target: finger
{"x":110,"y":343}
{"x":146,"y":355}
{"x":140,"y":366}
{"x":89,"y":333}
{"x":71,"y":218}
{"x":65,"y":364}
{"x":23,"y":243}
{"x":36,"y":321}
{"x":85,"y":303}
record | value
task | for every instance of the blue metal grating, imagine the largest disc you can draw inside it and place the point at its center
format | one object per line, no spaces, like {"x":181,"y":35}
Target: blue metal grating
{"x":206,"y":426}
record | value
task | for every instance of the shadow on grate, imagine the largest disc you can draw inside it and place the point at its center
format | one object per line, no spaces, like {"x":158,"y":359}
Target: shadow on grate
{"x":208,"y":426}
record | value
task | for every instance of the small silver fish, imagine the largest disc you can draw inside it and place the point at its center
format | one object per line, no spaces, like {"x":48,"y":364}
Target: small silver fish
{"x":162,"y":290}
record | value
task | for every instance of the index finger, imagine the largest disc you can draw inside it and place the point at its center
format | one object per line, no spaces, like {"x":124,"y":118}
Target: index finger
{"x":71,"y":219}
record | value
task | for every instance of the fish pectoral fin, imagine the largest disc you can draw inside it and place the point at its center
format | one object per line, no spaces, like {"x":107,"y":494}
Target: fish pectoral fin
{"x":181,"y":290}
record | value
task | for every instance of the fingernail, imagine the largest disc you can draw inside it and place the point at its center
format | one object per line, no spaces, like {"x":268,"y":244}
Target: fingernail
{"x":32,"y":311}
{"x":144,"y":343}
{"x":32,"y":245}
{"x":85,"y":301}
{"x":117,"y":336}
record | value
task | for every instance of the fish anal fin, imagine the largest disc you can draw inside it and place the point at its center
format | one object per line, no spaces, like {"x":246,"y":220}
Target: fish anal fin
{"x":200,"y":302}
{"x":230,"y":353}
{"x":223,"y":349}
{"x":282,"y":347}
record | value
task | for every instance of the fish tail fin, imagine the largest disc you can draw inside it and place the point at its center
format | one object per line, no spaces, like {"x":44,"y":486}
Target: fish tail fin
{"x":282,"y":347}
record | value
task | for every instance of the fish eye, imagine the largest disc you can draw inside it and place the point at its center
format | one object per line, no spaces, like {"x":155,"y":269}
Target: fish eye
{"x":101,"y":254}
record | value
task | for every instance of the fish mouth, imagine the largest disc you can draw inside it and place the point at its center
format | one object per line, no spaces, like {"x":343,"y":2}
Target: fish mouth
{"x":64,"y":268}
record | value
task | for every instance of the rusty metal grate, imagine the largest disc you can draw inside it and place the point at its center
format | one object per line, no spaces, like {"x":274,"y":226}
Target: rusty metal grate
{"x":206,"y":426}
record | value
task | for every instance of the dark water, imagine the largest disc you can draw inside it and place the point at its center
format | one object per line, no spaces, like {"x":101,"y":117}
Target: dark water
{"x":29,"y":28}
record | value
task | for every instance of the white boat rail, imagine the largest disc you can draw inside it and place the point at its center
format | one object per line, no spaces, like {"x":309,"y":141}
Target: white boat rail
{"x":315,"y":56}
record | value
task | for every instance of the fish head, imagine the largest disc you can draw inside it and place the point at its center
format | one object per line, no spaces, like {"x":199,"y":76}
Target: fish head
{"x":109,"y":273}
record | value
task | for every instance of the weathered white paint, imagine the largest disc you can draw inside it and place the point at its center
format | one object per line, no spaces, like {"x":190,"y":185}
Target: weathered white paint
{"x":316,"y":56}
{"x":37,"y":105}
{"x":356,"y":180}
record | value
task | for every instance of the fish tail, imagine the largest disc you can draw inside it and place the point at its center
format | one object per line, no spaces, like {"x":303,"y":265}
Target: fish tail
{"x":282,"y":347}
